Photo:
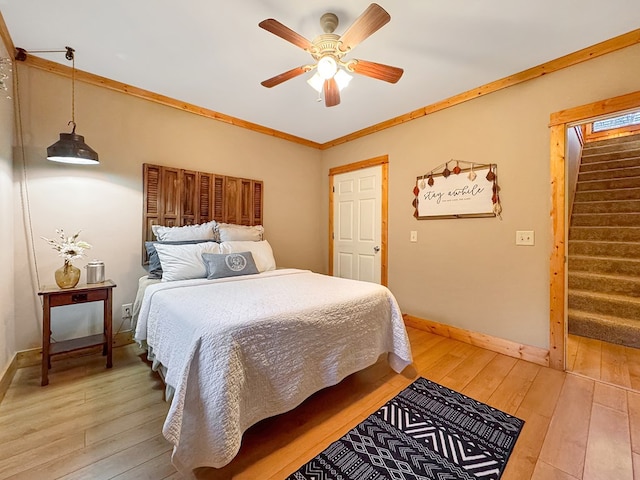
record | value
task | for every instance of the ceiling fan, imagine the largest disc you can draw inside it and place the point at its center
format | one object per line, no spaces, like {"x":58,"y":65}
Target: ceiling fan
{"x":328,"y":50}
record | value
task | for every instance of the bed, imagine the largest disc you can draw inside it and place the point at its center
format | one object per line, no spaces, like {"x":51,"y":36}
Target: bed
{"x":237,"y":345}
{"x":237,"y":350}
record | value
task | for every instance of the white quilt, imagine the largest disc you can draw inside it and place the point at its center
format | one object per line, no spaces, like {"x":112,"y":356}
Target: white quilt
{"x":241,"y":349}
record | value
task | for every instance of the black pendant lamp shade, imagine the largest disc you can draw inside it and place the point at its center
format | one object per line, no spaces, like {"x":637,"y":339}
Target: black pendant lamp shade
{"x":72,"y":149}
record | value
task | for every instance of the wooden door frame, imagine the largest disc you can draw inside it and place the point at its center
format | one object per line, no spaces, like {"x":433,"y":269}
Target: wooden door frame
{"x":558,"y":125}
{"x":382,"y":161}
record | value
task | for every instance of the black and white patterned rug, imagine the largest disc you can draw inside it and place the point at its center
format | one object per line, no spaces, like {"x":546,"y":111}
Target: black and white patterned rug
{"x":426,"y":432}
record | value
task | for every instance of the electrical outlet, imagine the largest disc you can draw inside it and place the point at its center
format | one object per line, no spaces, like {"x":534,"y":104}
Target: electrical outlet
{"x":525,"y":237}
{"x":127,"y":310}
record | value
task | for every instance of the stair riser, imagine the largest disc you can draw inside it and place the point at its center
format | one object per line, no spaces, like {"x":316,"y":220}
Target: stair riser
{"x":614,"y":141}
{"x":598,"y":155}
{"x":605,"y":234}
{"x":622,"y":144}
{"x":612,"y":286}
{"x":609,"y":165}
{"x":606,"y":220}
{"x":621,"y":335}
{"x":612,"y":184}
{"x":606,"y":195}
{"x":629,"y":172}
{"x":605,"y":306}
{"x":604,"y":266}
{"x":605,"y":249}
{"x":625,"y":206}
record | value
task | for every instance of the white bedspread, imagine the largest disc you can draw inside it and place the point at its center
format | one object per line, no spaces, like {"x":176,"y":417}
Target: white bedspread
{"x":241,"y":349}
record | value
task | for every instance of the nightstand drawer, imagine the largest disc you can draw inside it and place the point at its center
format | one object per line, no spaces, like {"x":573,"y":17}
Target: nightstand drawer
{"x":70,"y":298}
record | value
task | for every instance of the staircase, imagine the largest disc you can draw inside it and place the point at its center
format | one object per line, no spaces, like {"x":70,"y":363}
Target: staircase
{"x":604,"y":243}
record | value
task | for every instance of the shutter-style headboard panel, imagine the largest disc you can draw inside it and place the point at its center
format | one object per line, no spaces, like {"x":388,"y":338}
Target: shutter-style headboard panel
{"x":176,"y":197}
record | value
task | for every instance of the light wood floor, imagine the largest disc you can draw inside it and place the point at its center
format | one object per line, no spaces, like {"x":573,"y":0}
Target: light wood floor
{"x":93,"y":423}
{"x":608,"y":362}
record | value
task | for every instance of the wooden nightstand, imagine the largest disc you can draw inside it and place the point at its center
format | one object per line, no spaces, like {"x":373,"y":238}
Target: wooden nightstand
{"x":57,"y":297}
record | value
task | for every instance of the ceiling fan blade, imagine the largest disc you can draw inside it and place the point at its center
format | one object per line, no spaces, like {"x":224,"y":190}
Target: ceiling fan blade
{"x":331,"y":93}
{"x":371,"y":20}
{"x":378,"y":71}
{"x":283,"y":77}
{"x":284,"y":32}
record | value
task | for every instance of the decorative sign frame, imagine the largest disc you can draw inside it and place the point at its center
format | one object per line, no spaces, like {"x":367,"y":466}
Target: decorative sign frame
{"x":467,"y":192}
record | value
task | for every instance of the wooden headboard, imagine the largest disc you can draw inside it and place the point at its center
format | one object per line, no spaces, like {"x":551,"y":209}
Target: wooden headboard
{"x":175,"y":197}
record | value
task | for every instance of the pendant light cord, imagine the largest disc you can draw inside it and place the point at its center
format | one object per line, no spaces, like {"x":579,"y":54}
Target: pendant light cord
{"x":24,"y":186}
{"x":73,"y":92}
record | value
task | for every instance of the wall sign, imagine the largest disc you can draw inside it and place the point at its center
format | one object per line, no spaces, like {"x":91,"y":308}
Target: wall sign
{"x":471,"y":191}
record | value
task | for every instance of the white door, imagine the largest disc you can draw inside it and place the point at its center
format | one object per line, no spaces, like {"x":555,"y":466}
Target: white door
{"x":357,"y":220}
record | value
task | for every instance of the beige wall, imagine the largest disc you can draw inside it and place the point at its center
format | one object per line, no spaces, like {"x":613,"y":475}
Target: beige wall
{"x":105,"y":201}
{"x":468,"y":272}
{"x":7,"y":341}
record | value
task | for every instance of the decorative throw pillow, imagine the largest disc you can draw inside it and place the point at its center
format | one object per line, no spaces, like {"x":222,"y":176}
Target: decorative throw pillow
{"x":155,"y":267}
{"x":220,"y":265}
{"x":229,"y":232}
{"x":261,"y":251}
{"x":203,"y":231}
{"x":183,"y":262}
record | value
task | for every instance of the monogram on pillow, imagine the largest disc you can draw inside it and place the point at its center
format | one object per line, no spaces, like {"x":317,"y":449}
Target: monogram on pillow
{"x":220,"y":265}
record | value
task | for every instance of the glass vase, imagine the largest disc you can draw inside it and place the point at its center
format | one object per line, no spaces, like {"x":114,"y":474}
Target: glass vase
{"x":67,"y":276}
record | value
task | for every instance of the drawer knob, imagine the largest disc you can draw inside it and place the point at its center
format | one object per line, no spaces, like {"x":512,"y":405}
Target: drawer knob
{"x":79,"y":297}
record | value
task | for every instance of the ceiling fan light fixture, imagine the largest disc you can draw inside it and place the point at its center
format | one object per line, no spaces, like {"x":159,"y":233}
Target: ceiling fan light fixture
{"x":342,"y":79}
{"x":316,"y":82}
{"x":327,"y":67}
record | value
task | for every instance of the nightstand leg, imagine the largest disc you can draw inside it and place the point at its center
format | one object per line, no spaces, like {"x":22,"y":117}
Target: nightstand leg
{"x":46,"y":340}
{"x":108,"y":311}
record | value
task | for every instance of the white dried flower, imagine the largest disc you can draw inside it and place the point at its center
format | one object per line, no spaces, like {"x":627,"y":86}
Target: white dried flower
{"x":68,"y":248}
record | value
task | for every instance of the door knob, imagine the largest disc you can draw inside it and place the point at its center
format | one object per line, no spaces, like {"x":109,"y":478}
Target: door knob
{"x":376,"y":249}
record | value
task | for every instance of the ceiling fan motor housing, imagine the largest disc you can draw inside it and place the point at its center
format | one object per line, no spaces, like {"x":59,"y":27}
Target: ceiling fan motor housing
{"x":326,"y":44}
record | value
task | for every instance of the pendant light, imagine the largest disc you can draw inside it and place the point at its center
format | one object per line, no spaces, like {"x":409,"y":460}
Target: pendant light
{"x":71,"y":147}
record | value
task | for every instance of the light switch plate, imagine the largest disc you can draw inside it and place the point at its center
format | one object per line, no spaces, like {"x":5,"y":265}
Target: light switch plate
{"x":525,"y":237}
{"x":413,"y":237}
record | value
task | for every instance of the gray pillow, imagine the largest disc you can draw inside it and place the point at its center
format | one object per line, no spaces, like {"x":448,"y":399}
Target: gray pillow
{"x":155,"y":268}
{"x":220,"y":265}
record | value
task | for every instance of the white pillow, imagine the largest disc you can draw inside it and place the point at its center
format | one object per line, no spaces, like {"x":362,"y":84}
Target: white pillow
{"x":261,"y":251}
{"x":203,"y":231}
{"x":183,"y":262}
{"x":229,"y":232}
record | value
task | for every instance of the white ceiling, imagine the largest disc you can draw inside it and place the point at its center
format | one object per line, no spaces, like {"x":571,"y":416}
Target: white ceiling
{"x":213,"y":54}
